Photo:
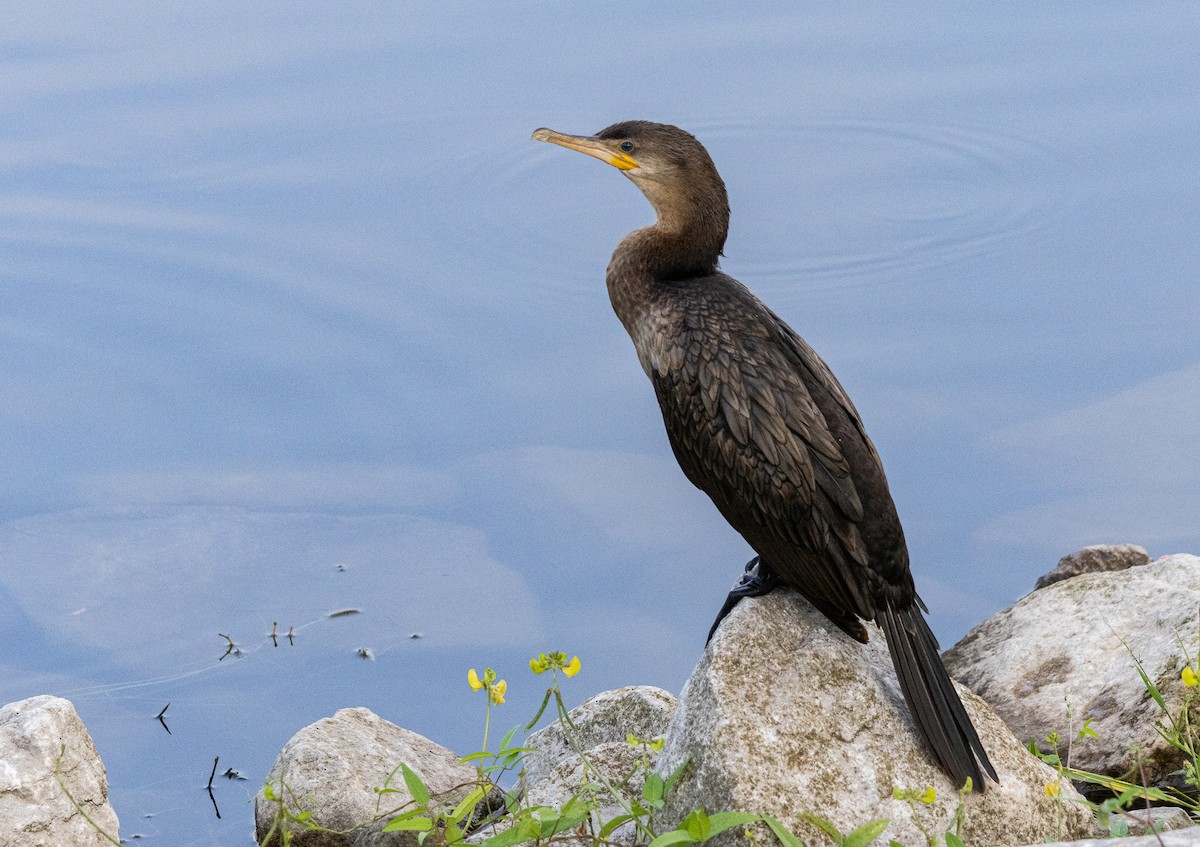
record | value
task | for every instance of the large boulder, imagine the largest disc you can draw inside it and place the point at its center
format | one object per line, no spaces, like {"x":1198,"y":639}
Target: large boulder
{"x":787,"y":716}
{"x":42,"y":741}
{"x":1094,"y":559}
{"x":554,"y":772}
{"x":332,"y":769}
{"x":1073,"y":645}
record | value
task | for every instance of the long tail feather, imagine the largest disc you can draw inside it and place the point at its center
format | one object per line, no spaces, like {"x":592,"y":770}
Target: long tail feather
{"x":931,"y":697}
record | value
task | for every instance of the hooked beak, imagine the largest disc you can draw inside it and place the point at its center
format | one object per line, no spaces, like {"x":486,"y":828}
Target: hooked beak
{"x":589,"y":145}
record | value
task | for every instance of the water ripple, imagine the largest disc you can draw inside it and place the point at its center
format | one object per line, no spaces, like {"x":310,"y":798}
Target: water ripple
{"x":830,"y":203}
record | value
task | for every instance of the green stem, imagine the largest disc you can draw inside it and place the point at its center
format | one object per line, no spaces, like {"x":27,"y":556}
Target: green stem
{"x":573,"y":742}
{"x":487,"y":720}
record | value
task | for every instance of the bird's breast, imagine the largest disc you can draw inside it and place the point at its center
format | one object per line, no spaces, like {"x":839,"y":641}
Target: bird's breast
{"x":657,"y":337}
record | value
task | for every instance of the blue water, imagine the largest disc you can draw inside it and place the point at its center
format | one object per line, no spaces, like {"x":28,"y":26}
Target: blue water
{"x":294,"y":318}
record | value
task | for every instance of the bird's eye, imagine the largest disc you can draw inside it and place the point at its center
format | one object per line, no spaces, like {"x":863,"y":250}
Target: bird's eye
{"x":626,"y":146}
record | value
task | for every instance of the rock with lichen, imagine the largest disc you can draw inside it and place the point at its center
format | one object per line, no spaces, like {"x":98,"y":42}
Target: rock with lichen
{"x":53,"y":786}
{"x":1070,"y":653}
{"x":785,"y":715}
{"x":1095,"y":559}
{"x":332,"y":769}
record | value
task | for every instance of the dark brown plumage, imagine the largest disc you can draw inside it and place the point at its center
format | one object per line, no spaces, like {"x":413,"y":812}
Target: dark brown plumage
{"x":759,"y":423}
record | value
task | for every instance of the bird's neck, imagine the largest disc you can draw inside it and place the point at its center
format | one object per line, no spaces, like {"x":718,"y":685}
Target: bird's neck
{"x":668,"y":251}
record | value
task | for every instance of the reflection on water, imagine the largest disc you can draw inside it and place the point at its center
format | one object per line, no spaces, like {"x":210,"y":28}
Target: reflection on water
{"x":860,"y":198}
{"x":294,"y":318}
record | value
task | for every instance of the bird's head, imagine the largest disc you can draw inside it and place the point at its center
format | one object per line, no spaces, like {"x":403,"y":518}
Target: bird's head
{"x":642,"y":150}
{"x":669,"y":165}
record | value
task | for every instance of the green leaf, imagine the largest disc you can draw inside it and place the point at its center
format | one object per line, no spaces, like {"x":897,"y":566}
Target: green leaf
{"x":953,"y":840}
{"x":653,"y":787}
{"x":473,"y":757}
{"x":786,"y":837}
{"x":697,"y":825}
{"x":675,"y":836}
{"x":1150,"y":686}
{"x":866,"y":833}
{"x":509,"y":838}
{"x":467,"y":805}
{"x":416,"y":787}
{"x":611,"y":827}
{"x":826,"y":827}
{"x":508,"y":736}
{"x":722,"y":821}
{"x":894,"y":843}
{"x":408,"y":825}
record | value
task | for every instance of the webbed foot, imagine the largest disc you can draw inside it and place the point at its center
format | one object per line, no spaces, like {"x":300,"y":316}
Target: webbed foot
{"x":756,"y":580}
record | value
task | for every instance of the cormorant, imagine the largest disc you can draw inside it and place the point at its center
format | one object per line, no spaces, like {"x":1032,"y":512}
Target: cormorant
{"x":759,"y":423}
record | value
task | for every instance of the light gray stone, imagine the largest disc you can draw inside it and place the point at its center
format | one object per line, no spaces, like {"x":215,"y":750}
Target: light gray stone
{"x":1095,"y":559}
{"x":554,"y":772}
{"x":785,"y":715}
{"x":1074,"y":643}
{"x":607,"y":718}
{"x":1156,"y":818}
{"x":331,"y":768}
{"x":1178,"y":838}
{"x":38,"y":737}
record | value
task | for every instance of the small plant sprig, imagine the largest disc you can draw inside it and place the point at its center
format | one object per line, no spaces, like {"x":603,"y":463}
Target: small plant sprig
{"x":496,"y":689}
{"x":1179,"y":729}
{"x":920,"y":799}
{"x":429,"y":816}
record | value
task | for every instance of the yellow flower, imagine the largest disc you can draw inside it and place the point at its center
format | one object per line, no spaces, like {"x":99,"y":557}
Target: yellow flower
{"x":928,"y":796}
{"x":539,"y":664}
{"x":497,"y":691}
{"x":1189,"y":677}
{"x":572,"y":667}
{"x":1052,"y":789}
{"x":473,"y":680}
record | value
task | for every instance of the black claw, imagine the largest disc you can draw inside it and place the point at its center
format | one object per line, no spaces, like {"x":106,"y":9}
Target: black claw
{"x":756,"y":580}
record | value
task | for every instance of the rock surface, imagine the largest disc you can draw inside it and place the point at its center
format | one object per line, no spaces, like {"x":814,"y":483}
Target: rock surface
{"x":601,"y":722}
{"x":1095,"y":559}
{"x":554,"y":773}
{"x":1074,"y":642}
{"x":332,"y":768}
{"x":34,"y":809}
{"x":785,"y":715}
{"x":1177,"y":838}
{"x":1158,"y":818}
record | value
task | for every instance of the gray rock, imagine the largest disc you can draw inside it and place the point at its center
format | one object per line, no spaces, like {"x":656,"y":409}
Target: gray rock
{"x":1095,"y":559}
{"x":641,"y":710}
{"x":1157,"y":818}
{"x":1178,"y":838}
{"x":787,"y":716}
{"x":37,"y":737}
{"x":1074,"y":643}
{"x":554,"y":772}
{"x":331,"y":768}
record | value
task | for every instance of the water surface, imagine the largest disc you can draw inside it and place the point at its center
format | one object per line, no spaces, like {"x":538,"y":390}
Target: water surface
{"x":294,"y":318}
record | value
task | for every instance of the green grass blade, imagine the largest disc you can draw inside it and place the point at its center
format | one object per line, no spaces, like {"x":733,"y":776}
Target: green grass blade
{"x":416,"y":786}
{"x":866,"y":833}
{"x":786,"y":837}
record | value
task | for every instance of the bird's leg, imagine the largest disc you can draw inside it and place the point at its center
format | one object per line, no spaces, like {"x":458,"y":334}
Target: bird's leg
{"x":756,"y":580}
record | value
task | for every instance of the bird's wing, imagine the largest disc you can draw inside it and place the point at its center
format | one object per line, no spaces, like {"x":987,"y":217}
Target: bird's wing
{"x":749,"y":419}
